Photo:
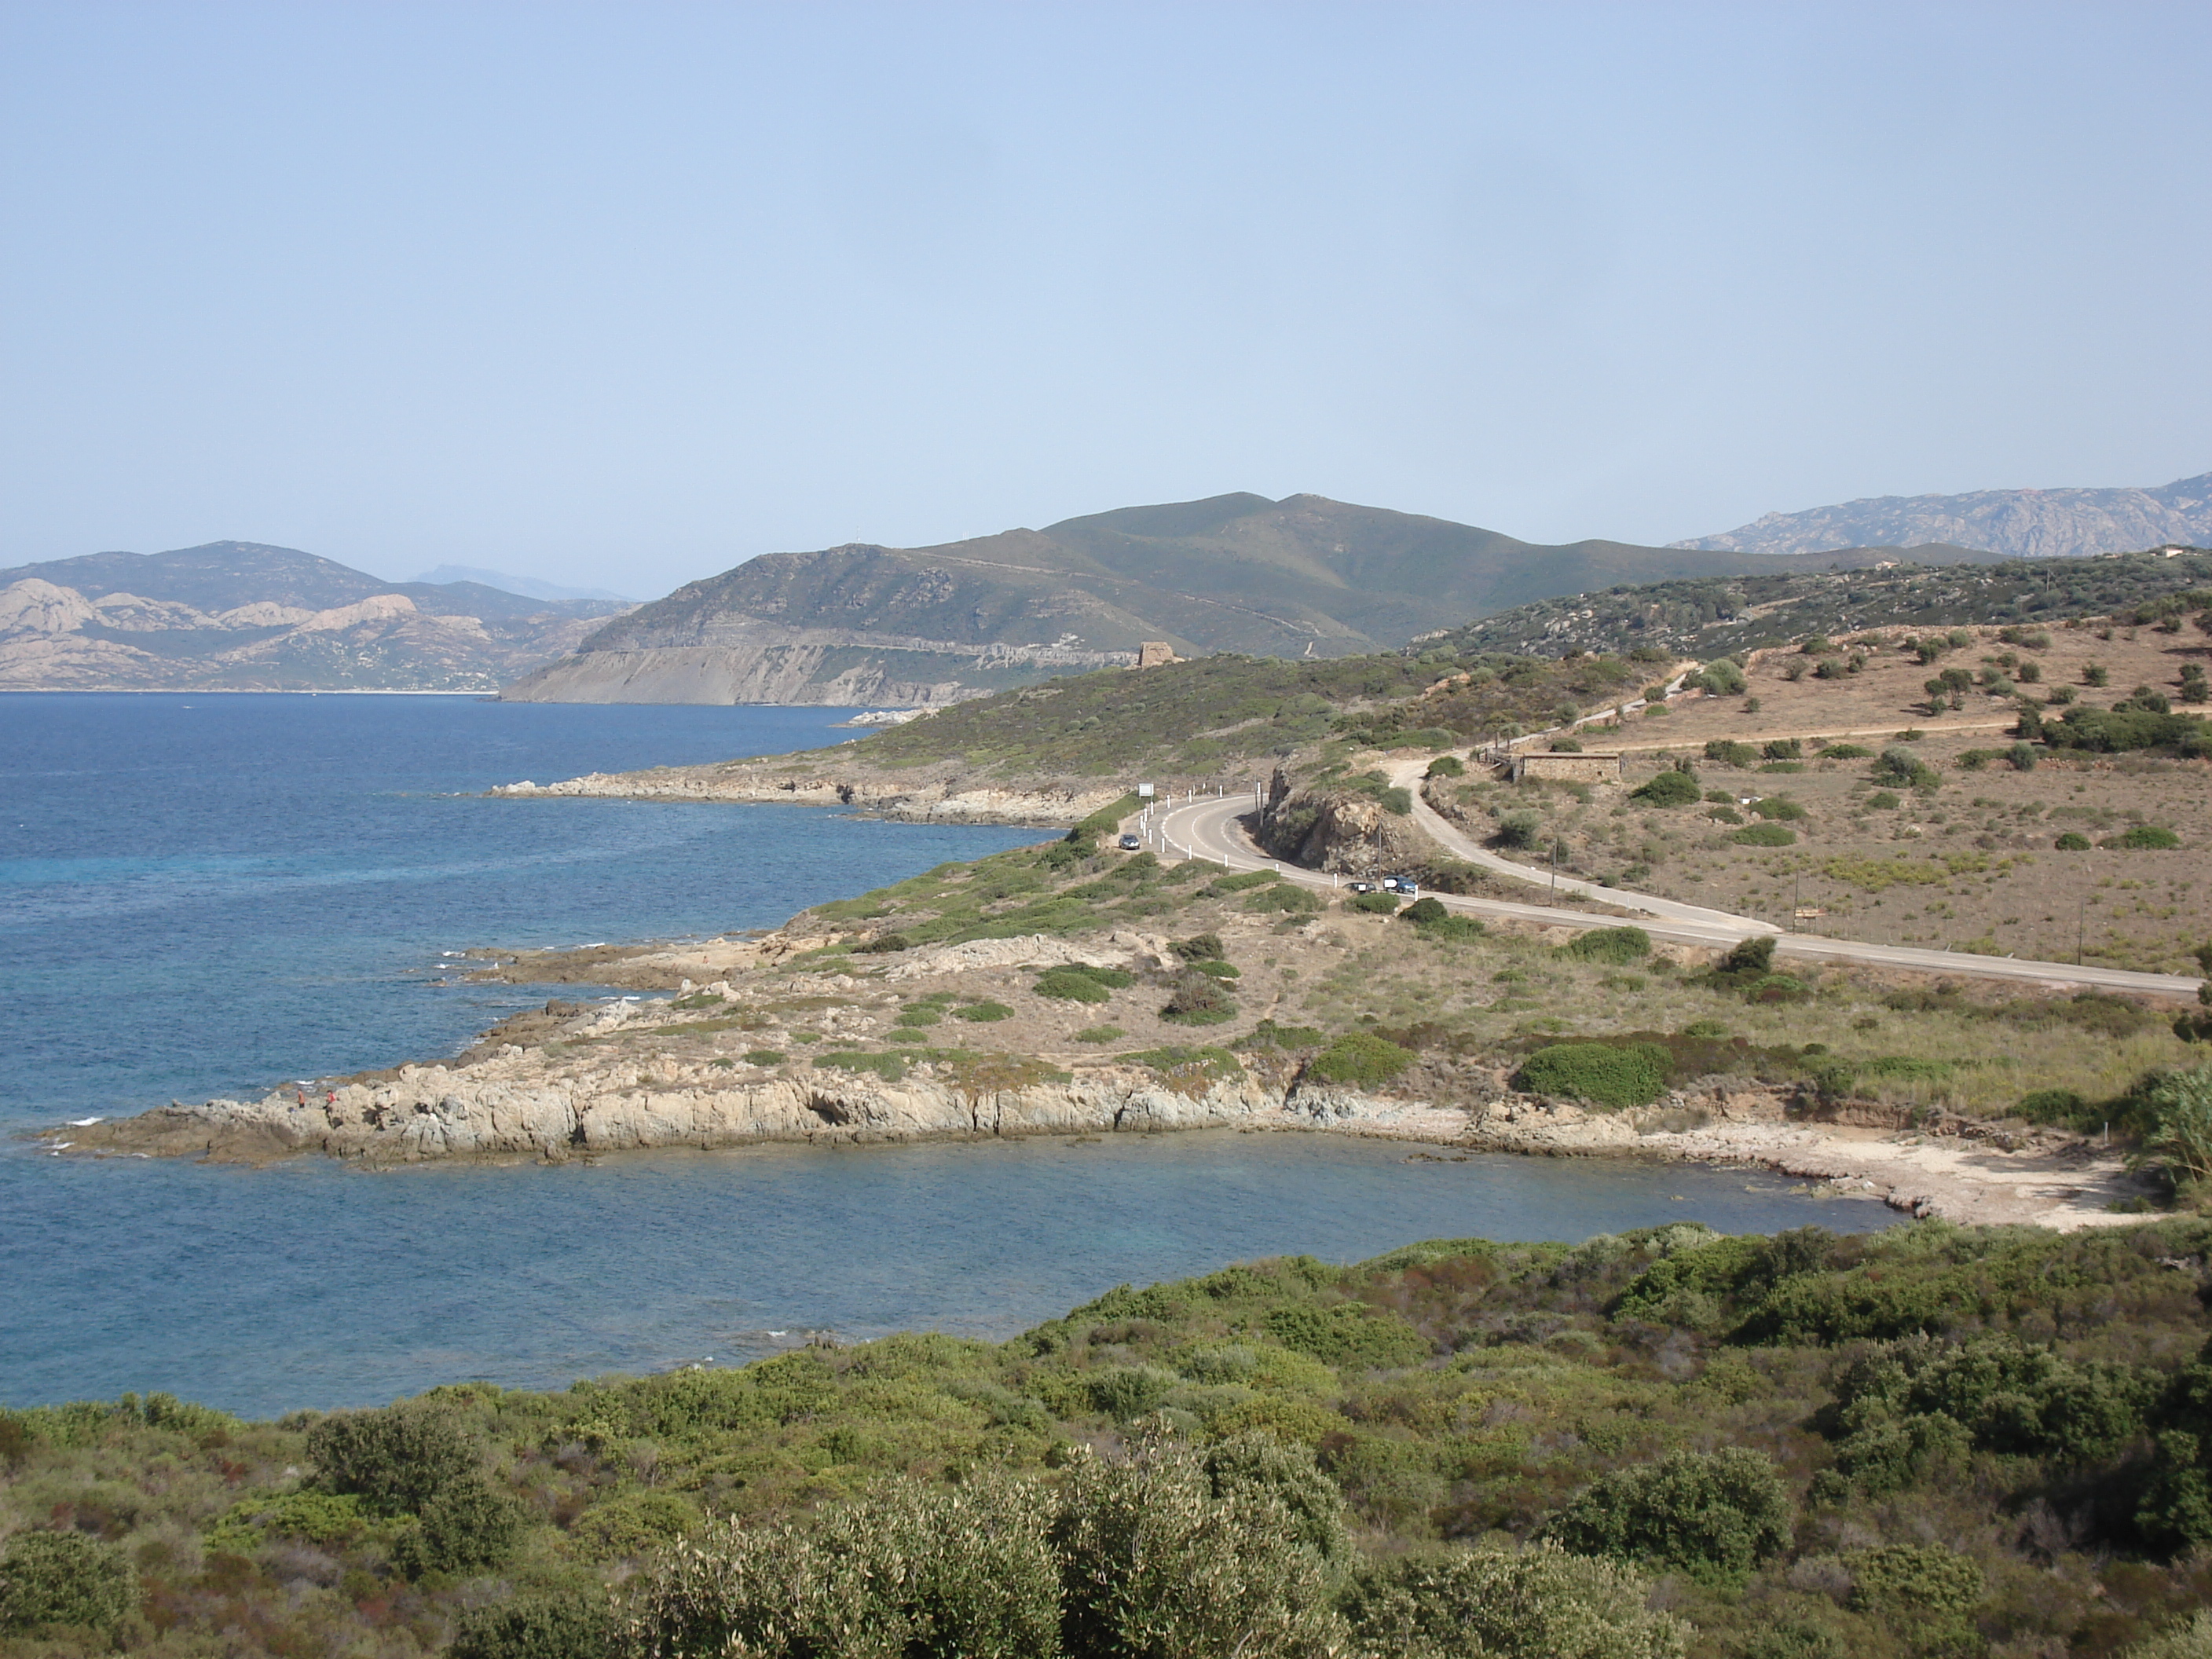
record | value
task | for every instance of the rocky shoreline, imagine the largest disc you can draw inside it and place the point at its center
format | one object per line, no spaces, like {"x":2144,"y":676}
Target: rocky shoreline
{"x":924,"y":797}
{"x":517,"y":1103}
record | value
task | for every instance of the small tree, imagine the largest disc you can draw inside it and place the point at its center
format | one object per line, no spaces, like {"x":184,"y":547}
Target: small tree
{"x":2180,"y":1108}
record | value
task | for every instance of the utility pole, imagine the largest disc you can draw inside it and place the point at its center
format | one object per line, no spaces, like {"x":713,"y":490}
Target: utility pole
{"x":2081,"y":928}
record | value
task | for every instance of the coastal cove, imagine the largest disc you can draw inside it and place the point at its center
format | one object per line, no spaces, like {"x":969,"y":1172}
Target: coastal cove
{"x":310,"y":1284}
{"x":201,"y":895}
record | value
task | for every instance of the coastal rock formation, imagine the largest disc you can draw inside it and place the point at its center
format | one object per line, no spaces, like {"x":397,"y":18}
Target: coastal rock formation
{"x":921,"y":796}
{"x":432,"y":1112}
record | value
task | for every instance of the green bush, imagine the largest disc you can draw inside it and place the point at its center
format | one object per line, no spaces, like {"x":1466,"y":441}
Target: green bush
{"x":1601,"y":1074}
{"x":1423,"y":911}
{"x":2072,"y":842}
{"x":623,"y":1528}
{"x":1722,"y":677}
{"x":1535,"y":1603}
{"x":1667,"y":788}
{"x":63,"y":1580}
{"x":1200,"y":947}
{"x":1846,"y":752}
{"x":1397,"y":801}
{"x":1711,"y":1516}
{"x":1618,"y":946}
{"x":1373,"y":904}
{"x":1914,"y":1578}
{"x":1360,"y":1059}
{"x":1446,"y":766}
{"x":1074,"y":982}
{"x":1882,"y":802}
{"x":1731,"y":754}
{"x":1902,"y":769}
{"x":909,"y":1569}
{"x":1765,"y":834}
{"x":2145,"y":837}
{"x":1780,"y":808}
{"x":320,"y":1517}
{"x":572,"y":1623}
{"x":984,"y":1012}
{"x":1198,"y":999}
{"x":1451,"y":929}
{"x":467,"y":1528}
{"x":917,"y":1014}
{"x":1566,"y":746}
{"x":397,"y":1459}
{"x":1124,"y":1392}
{"x":1100,"y":1034}
{"x":1348,"y":1335}
{"x":1519,"y":829}
{"x":2006,"y":1395}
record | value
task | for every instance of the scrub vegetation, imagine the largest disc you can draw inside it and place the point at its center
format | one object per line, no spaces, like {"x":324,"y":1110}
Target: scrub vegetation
{"x":1926,"y":1441}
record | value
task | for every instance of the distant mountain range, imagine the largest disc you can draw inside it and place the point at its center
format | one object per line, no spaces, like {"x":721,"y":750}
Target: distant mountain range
{"x":1303,"y":576}
{"x":2021,"y":524}
{"x":242,"y":616}
{"x":509,"y":583}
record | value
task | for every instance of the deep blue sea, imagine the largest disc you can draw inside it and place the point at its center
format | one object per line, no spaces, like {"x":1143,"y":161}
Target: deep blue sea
{"x":203,"y":895}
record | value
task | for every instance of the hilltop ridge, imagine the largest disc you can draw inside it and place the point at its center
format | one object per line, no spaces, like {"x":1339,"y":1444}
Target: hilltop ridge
{"x":1305,"y":577}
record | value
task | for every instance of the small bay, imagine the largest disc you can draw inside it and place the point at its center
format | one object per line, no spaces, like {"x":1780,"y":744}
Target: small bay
{"x":206,"y":894}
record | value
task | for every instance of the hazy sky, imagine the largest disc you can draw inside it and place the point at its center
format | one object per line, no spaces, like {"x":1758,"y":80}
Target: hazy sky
{"x":624,"y":294}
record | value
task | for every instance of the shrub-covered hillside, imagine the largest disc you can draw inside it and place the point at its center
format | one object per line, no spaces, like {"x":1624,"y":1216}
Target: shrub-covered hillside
{"x":1197,"y":719}
{"x":1926,"y":1441}
{"x":1711,"y":615}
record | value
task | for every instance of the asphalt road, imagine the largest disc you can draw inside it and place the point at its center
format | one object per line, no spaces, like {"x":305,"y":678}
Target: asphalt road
{"x":1218,"y":831}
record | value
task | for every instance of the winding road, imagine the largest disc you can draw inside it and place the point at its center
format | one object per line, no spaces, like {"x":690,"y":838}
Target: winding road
{"x":1218,"y":831}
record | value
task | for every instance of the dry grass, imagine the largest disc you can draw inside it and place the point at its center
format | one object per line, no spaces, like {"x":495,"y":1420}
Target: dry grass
{"x":1861,"y":867}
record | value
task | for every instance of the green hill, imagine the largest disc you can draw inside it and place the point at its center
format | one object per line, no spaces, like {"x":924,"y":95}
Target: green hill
{"x":1302,"y":577}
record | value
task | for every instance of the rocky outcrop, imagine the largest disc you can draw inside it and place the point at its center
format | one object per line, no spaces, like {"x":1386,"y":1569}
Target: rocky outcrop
{"x":435,"y":1112}
{"x":1348,"y":831}
{"x":911,"y":797}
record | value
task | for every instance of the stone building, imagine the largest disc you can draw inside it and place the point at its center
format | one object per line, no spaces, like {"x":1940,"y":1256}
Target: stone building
{"x":1589,"y":767}
{"x":1152,"y":653}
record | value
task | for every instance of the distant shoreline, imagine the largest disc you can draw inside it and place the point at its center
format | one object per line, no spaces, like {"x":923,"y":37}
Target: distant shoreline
{"x":232,"y":691}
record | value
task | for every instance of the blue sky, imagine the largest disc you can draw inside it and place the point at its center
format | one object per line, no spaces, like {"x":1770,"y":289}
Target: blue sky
{"x":623,"y":294}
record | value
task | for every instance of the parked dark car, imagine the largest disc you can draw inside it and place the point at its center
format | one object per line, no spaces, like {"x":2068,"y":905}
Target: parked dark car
{"x":1131,"y":843}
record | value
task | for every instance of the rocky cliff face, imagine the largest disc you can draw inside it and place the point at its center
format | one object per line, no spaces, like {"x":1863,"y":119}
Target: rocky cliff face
{"x":2018,"y":523}
{"x":239,"y":616}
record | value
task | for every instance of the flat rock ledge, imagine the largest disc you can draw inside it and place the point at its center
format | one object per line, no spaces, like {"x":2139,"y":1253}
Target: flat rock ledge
{"x":907,"y":800}
{"x":430,"y":1113}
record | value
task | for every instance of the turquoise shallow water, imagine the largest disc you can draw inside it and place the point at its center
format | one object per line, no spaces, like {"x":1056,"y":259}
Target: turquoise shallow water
{"x":201,"y":895}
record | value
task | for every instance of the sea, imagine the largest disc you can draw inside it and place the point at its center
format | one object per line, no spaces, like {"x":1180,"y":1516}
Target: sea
{"x":211,"y":894}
